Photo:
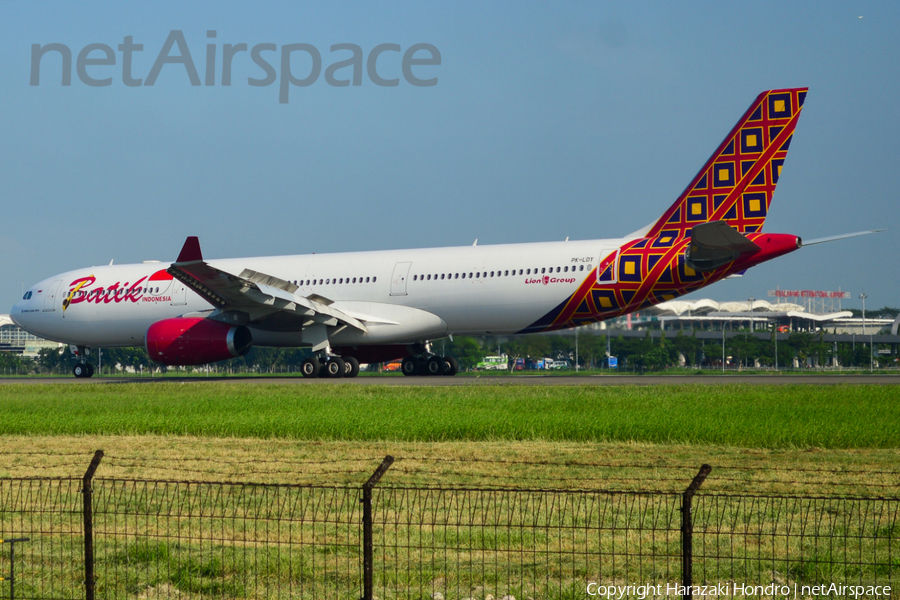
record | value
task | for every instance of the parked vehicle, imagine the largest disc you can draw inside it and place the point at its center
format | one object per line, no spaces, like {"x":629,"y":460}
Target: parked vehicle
{"x":493,"y":363}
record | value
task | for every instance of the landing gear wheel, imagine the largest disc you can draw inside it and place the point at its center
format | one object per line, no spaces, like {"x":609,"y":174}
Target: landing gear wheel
{"x":80,"y":370}
{"x":334,"y":368}
{"x":434,"y":365}
{"x":452,"y":366}
{"x":310,"y":367}
{"x":351,"y":367}
{"x":409,"y":366}
{"x":90,"y":369}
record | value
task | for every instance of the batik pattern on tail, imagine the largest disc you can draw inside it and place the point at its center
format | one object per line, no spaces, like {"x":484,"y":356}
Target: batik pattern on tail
{"x":737,"y":182}
{"x":735,"y":185}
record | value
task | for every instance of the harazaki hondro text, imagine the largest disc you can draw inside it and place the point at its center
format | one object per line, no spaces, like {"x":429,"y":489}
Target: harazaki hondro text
{"x":308,"y":64}
{"x":650,"y":590}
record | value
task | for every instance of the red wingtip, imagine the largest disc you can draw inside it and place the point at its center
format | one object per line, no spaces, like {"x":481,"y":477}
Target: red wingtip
{"x":190,"y":252}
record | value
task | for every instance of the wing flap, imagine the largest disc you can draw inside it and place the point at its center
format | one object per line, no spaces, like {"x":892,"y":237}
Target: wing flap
{"x":253,"y":292}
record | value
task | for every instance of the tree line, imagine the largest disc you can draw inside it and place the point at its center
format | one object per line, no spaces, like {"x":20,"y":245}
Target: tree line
{"x":633,"y":354}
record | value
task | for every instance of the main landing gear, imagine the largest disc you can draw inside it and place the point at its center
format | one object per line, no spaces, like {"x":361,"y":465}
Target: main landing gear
{"x":331,"y":367}
{"x":82,"y":368}
{"x":429,"y":365}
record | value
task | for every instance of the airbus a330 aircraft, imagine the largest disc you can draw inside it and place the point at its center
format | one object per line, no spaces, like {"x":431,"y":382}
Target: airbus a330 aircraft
{"x":378,"y":306}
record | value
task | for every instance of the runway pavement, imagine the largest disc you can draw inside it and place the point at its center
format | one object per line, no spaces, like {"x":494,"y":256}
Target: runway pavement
{"x":547,"y":380}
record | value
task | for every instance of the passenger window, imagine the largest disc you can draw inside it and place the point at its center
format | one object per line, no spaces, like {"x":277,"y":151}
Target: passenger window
{"x":415,"y":277}
{"x":528,"y":272}
{"x":442,"y":276}
{"x":543,"y":269}
{"x":374,"y":279}
{"x":565,"y":269}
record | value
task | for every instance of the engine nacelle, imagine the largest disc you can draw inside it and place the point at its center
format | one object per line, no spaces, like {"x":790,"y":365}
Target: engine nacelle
{"x":196,"y":341}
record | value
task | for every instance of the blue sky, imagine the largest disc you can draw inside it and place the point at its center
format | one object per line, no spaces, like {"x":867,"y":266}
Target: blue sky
{"x":584,"y":121}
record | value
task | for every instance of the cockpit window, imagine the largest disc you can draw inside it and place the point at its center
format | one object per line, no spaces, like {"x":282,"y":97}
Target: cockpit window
{"x":27,"y":296}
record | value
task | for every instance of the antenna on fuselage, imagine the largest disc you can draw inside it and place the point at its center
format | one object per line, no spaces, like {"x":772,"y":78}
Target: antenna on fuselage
{"x":476,"y":242}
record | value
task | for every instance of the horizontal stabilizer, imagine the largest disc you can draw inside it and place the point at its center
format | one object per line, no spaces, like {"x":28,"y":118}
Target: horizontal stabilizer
{"x":715,"y":244}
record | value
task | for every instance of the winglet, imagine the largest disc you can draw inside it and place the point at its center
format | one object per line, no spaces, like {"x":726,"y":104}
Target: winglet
{"x":190,"y":252}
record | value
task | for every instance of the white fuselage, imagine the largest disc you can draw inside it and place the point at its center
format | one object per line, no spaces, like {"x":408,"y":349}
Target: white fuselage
{"x":405,"y":295}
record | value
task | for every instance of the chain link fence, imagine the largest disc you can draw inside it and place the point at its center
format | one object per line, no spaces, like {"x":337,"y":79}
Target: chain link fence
{"x":96,"y":537}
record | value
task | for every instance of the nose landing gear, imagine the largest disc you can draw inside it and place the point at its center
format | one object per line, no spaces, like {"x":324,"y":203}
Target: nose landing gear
{"x":82,"y":368}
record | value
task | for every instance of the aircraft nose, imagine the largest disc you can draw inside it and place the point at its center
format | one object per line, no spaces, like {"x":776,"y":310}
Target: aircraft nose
{"x":23,"y":310}
{"x":16,"y":314}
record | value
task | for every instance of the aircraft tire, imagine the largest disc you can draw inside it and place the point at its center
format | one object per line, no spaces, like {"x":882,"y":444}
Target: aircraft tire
{"x":90,"y":370}
{"x":409,"y":366}
{"x":310,"y":367}
{"x":79,"y":371}
{"x":434,"y":365}
{"x":351,"y":368}
{"x":334,"y":368}
{"x":452,"y":366}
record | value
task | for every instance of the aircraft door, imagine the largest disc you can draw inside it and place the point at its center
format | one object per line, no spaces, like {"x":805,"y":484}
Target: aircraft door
{"x":398,"y":279}
{"x":179,"y":293}
{"x":50,"y":298}
{"x":611,"y":273}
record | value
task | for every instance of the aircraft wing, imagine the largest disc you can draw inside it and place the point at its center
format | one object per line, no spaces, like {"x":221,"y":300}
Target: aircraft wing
{"x":253,"y":297}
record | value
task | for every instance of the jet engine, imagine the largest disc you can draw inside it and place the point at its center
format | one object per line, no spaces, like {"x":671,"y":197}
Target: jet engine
{"x":196,"y":341}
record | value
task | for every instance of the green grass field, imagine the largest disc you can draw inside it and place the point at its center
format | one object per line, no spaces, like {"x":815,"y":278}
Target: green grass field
{"x":192,"y":541}
{"x":752,"y":416}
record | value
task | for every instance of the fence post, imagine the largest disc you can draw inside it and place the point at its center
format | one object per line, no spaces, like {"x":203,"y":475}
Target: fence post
{"x":368,"y":544}
{"x":687,"y":531}
{"x":88,"y":513}
{"x":12,"y":564}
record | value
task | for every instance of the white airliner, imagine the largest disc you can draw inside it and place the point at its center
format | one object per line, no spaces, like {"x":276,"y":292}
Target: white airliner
{"x":378,"y":306}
